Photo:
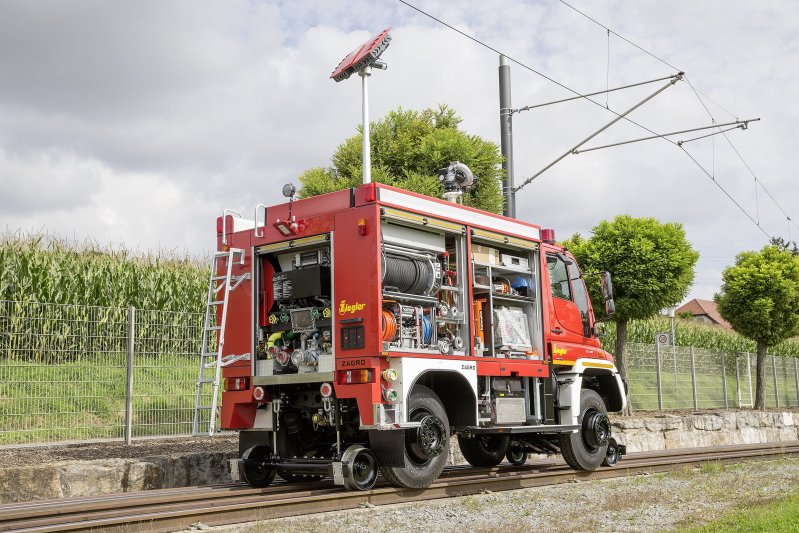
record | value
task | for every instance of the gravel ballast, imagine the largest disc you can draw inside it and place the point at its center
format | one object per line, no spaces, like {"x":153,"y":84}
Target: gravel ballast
{"x":643,"y":503}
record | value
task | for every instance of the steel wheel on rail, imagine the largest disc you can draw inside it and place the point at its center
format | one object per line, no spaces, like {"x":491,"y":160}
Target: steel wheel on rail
{"x":359,"y":468}
{"x":613,"y":454}
{"x":256,"y":467}
{"x":588,"y":447}
{"x":484,"y":450}
{"x":516,"y":456}
{"x":426,"y":446}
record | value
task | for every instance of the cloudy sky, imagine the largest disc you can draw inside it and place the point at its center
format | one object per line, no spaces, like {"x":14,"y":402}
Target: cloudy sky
{"x":136,"y":123}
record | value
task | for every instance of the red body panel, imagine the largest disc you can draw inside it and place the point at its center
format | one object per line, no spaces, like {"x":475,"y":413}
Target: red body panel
{"x":352,"y":217}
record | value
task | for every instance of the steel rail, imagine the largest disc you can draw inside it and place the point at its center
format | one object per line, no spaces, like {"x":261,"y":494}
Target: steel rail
{"x":171,"y":509}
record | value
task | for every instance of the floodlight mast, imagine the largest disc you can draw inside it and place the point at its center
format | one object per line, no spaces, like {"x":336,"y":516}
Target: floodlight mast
{"x":361,"y":60}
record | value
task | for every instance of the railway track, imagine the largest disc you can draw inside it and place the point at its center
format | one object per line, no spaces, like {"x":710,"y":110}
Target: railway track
{"x":172,"y":509}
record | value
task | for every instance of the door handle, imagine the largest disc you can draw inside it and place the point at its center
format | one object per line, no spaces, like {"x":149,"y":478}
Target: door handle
{"x":557,"y":331}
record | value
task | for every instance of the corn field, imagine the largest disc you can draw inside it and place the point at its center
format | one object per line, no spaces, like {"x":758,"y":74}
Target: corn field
{"x":41,"y":269}
{"x":691,"y":333}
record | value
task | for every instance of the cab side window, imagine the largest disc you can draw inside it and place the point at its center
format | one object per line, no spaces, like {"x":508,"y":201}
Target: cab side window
{"x":558,"y":277}
{"x":580,"y":293}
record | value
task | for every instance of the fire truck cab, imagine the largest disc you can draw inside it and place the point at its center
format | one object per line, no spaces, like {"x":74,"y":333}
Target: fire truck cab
{"x":373,"y":325}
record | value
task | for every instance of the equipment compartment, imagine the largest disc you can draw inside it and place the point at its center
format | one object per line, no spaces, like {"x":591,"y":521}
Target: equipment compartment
{"x":295,"y":333}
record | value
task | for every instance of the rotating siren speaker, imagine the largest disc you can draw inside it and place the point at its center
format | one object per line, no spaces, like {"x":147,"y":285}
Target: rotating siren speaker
{"x":456,"y":177}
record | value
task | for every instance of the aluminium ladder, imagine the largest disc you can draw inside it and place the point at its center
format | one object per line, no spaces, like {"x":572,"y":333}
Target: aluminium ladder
{"x":211,"y":362}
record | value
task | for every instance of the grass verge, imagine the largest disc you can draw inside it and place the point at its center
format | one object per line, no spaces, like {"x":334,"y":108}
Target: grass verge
{"x":777,"y":516}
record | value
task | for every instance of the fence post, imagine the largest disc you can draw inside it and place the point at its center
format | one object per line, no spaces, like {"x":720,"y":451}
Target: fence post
{"x":774,"y":373}
{"x":749,"y":377}
{"x":657,"y":375}
{"x":129,"y":381}
{"x":693,"y":377}
{"x":724,"y":380}
{"x":738,"y":380}
{"x":796,"y":373}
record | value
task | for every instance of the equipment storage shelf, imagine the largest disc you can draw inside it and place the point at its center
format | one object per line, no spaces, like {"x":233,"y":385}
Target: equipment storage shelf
{"x":424,"y":287}
{"x":505,"y":289}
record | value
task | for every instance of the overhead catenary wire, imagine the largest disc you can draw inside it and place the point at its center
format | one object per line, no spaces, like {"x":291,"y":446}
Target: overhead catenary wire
{"x":701,"y":101}
{"x":599,"y":104}
{"x":527,"y":67}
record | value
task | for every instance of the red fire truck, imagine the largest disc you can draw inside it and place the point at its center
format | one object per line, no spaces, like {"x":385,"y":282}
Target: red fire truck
{"x":359,"y":331}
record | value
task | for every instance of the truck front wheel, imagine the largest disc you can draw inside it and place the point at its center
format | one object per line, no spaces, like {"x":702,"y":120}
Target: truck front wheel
{"x":587,"y":448}
{"x":427,"y":446}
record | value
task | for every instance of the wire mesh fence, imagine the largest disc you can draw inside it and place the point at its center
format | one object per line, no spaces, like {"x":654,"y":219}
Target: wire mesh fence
{"x":685,"y":377}
{"x":65,"y":372}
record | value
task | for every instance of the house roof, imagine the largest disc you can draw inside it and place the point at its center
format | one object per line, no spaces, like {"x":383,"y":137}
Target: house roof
{"x":704,"y":307}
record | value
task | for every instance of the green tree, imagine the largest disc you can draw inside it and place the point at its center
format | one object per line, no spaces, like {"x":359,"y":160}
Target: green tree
{"x":760,"y":298}
{"x":408,"y":147}
{"x":651,"y":263}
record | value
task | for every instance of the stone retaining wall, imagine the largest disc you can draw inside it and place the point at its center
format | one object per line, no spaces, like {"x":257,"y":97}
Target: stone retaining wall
{"x":106,"y":476}
{"x":667,"y":431}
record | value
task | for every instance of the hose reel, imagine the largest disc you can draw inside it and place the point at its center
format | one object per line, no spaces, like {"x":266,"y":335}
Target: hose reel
{"x":411,"y":274}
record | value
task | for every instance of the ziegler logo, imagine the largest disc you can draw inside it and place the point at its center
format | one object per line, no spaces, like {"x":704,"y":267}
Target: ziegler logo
{"x":557,"y":350}
{"x":345,"y":308}
{"x":353,"y":362}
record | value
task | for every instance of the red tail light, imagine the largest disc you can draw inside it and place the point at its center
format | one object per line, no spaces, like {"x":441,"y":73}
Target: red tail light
{"x":370,"y":192}
{"x":361,"y":375}
{"x":233,"y":384}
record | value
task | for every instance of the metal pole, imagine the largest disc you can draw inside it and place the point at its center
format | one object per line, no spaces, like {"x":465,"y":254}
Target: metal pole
{"x":506,"y":136}
{"x":693,"y":377}
{"x":657,"y":375}
{"x":738,"y":381}
{"x":674,"y":347}
{"x":796,"y":373}
{"x":749,"y":377}
{"x":366,"y":148}
{"x":724,"y":380}
{"x":776,"y":388}
{"x":129,"y":381}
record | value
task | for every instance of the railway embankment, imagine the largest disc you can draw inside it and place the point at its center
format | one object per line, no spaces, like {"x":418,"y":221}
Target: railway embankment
{"x":47,"y":472}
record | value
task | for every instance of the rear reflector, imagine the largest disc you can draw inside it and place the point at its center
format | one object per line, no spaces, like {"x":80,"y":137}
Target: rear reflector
{"x":232,"y":384}
{"x":362,"y":375}
{"x":258,"y":394}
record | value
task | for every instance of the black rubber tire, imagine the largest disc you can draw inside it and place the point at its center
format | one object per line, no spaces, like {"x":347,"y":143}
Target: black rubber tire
{"x":577,"y":453}
{"x":612,"y":456}
{"x":251,"y":471}
{"x":418,"y":474}
{"x":484,"y":450}
{"x":516,"y":457}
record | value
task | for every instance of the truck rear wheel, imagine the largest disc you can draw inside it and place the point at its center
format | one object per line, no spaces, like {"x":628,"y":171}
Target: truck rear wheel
{"x":484,"y":450}
{"x":587,"y":448}
{"x":426,"y":446}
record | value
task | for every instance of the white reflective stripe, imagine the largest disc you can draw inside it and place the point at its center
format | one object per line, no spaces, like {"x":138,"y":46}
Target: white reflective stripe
{"x":457,"y":212}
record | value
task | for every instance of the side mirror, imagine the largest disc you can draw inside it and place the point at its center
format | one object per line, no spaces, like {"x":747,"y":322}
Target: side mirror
{"x":607,"y":294}
{"x":600,"y":329}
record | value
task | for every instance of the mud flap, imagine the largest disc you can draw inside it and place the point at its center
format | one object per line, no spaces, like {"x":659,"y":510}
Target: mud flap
{"x":388,"y":447}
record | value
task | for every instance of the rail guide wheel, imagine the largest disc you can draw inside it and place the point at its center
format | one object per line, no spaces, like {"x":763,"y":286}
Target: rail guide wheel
{"x":359,"y":468}
{"x":516,"y":456}
{"x":614,"y":453}
{"x":256,"y":467}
